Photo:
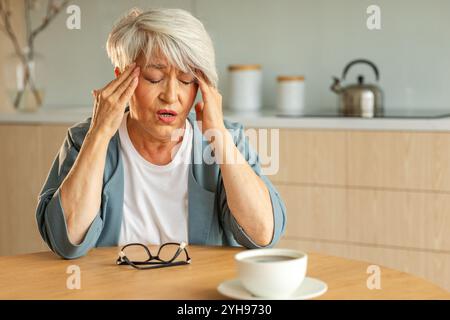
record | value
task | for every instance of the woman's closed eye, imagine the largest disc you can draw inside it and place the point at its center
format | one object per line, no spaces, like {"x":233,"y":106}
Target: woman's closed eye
{"x":153,"y":81}
{"x":187,"y":82}
{"x":182,"y":81}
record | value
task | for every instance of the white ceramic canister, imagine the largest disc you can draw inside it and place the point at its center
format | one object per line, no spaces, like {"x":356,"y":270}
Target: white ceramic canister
{"x":245,"y":87}
{"x":291,"y":95}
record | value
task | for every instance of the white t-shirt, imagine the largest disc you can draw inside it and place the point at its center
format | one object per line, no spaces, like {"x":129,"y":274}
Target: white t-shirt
{"x":155,"y":206}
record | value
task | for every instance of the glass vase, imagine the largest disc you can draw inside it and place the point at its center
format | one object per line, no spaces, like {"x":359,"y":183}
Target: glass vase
{"x":24,"y":81}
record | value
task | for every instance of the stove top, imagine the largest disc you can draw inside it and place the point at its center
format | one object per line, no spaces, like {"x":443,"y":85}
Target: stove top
{"x":387,"y":113}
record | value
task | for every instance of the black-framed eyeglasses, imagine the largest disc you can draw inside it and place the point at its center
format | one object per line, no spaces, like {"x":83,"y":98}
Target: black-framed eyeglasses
{"x":139,"y":256}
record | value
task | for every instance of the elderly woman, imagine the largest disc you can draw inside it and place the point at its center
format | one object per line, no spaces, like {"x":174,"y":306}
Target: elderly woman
{"x":139,"y":171}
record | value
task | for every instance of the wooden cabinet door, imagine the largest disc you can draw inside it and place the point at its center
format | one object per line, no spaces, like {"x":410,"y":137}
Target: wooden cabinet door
{"x":26,"y":154}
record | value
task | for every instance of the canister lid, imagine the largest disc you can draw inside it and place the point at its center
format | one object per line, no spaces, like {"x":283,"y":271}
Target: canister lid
{"x":240,"y":67}
{"x":290,"y":78}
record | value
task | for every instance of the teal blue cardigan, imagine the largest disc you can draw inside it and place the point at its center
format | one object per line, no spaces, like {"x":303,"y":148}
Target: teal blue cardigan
{"x":210,"y":221}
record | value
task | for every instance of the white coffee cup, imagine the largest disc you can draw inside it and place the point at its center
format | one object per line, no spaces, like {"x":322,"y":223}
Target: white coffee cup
{"x":271,"y":272}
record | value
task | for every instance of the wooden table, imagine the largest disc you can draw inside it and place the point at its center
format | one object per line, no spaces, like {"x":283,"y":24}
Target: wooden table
{"x":43,"y":276}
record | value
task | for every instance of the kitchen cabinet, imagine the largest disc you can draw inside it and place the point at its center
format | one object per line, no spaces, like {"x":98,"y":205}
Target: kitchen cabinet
{"x":375,"y":195}
{"x":379,"y":196}
{"x":312,"y":156}
{"x":400,"y":160}
{"x":27,"y":152}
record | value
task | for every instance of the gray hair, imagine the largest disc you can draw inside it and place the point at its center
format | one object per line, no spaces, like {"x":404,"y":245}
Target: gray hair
{"x":175,"y":33}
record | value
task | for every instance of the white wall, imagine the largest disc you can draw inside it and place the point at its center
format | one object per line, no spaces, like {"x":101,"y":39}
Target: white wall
{"x":318,"y":37}
{"x":315,"y":38}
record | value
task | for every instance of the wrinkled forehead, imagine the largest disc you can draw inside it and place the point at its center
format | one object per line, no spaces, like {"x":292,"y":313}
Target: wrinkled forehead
{"x":146,"y":62}
{"x":160,"y":62}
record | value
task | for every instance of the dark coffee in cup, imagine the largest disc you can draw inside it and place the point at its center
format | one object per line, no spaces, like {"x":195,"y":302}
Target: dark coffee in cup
{"x":269,"y":258}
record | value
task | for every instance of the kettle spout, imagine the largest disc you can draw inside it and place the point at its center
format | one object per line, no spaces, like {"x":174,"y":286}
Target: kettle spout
{"x":336,"y":86}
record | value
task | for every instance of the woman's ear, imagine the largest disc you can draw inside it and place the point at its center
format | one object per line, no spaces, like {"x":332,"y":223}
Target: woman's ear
{"x":117,"y":72}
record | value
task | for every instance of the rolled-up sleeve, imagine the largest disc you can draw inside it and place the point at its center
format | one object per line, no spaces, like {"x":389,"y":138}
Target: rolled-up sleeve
{"x":50,"y":216}
{"x":278,"y":208}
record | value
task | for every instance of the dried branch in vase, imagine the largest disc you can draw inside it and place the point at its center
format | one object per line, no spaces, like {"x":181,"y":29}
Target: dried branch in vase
{"x":27,"y":55}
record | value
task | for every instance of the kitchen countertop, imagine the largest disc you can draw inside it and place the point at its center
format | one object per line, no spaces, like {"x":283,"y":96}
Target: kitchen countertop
{"x":264,"y":119}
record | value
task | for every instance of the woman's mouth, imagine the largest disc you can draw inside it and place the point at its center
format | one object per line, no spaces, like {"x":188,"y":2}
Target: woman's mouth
{"x":166,"y":115}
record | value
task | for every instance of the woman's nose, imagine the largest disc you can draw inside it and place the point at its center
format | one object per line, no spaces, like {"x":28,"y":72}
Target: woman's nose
{"x":169,"y":94}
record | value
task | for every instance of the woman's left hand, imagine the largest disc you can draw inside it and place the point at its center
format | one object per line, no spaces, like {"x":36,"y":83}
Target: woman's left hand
{"x":209,"y":111}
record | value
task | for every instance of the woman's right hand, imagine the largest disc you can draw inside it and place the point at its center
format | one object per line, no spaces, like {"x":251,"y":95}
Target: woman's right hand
{"x":110,"y":102}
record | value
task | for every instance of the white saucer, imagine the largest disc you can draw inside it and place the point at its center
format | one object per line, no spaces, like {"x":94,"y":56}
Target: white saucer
{"x":310,"y":288}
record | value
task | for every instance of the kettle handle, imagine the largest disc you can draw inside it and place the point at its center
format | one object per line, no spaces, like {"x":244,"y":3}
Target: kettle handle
{"x":374,"y":67}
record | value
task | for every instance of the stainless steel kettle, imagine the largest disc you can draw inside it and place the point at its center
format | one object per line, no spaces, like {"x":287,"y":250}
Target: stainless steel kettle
{"x":360,"y":99}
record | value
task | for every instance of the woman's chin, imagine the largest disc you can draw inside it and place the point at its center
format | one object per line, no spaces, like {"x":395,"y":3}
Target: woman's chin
{"x":166,"y":132}
{"x":163,"y":130}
